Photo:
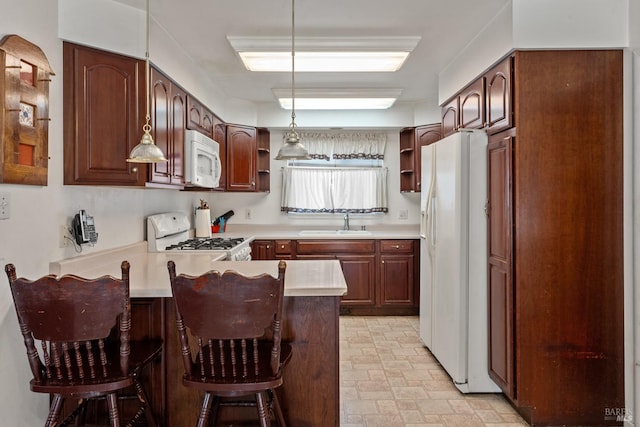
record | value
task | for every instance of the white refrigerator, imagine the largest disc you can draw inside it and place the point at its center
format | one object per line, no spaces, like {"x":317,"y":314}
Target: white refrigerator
{"x":453,"y":252}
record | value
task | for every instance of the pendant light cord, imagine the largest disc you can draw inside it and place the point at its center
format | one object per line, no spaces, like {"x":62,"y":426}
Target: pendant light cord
{"x":293,"y":64}
{"x":147,"y":127}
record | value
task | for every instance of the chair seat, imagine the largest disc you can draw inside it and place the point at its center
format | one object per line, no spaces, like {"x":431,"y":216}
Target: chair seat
{"x":142,"y":352}
{"x":240,"y":385}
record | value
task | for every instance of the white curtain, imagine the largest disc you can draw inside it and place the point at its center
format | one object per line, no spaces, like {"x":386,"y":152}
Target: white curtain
{"x":330,"y":190}
{"x":345,"y":145}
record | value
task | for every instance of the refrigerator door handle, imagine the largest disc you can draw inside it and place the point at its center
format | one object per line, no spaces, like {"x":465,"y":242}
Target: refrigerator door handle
{"x":432,"y":222}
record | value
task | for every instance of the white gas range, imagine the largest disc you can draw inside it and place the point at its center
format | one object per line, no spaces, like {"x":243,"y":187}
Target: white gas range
{"x":172,"y":232}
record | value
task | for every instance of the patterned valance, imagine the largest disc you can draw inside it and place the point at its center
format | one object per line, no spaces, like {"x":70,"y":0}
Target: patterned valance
{"x":345,"y":145}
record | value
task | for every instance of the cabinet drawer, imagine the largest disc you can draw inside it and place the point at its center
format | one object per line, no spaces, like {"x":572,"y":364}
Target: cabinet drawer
{"x":396,"y":246}
{"x":335,"y":246}
{"x":283,"y":247}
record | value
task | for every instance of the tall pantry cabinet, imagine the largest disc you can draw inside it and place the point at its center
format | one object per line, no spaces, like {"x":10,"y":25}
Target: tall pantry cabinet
{"x":555,"y":237}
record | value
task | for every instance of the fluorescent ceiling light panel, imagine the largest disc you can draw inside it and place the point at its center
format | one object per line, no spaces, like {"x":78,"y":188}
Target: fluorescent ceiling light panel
{"x":338,"y":99}
{"x":344,"y":62}
{"x":325,"y":54}
{"x":338,"y":103}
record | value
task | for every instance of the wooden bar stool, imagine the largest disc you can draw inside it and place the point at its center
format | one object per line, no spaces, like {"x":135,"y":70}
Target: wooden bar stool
{"x":236,"y":323}
{"x":83,"y":354}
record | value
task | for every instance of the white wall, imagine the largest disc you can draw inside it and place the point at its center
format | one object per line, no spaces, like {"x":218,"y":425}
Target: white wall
{"x":540,"y":24}
{"x":570,"y":24}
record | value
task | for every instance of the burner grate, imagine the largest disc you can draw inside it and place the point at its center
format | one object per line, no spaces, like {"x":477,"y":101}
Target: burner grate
{"x":213,"y":243}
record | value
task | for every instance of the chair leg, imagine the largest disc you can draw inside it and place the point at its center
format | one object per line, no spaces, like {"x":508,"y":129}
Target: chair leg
{"x":203,"y":419}
{"x":144,"y":400}
{"x":112,"y":403}
{"x":214,"y":410}
{"x":262,"y":409}
{"x":277,"y":409}
{"x":54,"y":410}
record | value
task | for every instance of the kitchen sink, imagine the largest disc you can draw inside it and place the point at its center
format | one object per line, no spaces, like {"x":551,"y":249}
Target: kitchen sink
{"x":334,"y":233}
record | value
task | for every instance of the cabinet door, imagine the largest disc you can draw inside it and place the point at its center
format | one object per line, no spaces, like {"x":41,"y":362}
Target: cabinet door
{"x":425,"y":135}
{"x":262,"y":250}
{"x":498,"y":102}
{"x":168,"y":123}
{"x":472,"y":105}
{"x":160,"y":125}
{"x":241,"y":158}
{"x":220,"y":136}
{"x":359,"y":273}
{"x":397,"y":274}
{"x":103,"y":116}
{"x":178,"y":126}
{"x":396,"y":280}
{"x":450,"y":123}
{"x":198,"y":117}
{"x":500,"y":298}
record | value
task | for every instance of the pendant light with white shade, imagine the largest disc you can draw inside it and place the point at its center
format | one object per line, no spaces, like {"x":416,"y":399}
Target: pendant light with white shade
{"x":292,"y":149}
{"x":146,"y":151}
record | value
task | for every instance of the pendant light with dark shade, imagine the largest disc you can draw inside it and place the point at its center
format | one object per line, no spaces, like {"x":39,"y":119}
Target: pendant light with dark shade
{"x":292,"y":149}
{"x":146,"y":151}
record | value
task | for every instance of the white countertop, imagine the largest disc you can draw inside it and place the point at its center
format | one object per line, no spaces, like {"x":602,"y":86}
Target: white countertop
{"x":149,"y":276}
{"x":306,"y":232}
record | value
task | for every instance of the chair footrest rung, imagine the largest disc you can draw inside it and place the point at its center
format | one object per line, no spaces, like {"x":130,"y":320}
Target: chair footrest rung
{"x":241,"y":403}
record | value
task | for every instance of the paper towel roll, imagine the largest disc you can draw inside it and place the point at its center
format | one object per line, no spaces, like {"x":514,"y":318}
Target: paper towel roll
{"x":203,"y":223}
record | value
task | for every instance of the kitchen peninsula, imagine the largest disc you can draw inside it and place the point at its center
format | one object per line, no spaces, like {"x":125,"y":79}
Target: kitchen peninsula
{"x":311,"y":308}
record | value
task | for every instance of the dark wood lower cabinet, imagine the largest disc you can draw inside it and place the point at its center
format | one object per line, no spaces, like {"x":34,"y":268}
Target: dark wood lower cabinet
{"x":382,"y":275}
{"x":310,"y":324}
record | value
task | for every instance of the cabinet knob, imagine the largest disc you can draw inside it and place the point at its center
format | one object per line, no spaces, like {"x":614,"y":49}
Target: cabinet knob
{"x":396,"y":246}
{"x":268,"y":246}
{"x":281,"y":246}
{"x":383,"y":262}
{"x":134,"y":169}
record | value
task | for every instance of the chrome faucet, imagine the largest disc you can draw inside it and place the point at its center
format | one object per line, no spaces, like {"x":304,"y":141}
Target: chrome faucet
{"x":346,"y":221}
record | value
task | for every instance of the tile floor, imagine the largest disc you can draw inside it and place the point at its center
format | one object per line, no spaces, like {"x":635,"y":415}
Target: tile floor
{"x":388,"y":378}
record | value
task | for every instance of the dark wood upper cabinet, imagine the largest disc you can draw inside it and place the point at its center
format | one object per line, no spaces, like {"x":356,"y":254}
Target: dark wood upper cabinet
{"x":199,"y":117}
{"x":220,"y":136}
{"x":424,"y":135}
{"x":472,"y":106}
{"x":450,"y":116}
{"x":241,"y":158}
{"x":498,"y":94}
{"x":465,"y":110}
{"x":103,"y":104}
{"x":168,"y":123}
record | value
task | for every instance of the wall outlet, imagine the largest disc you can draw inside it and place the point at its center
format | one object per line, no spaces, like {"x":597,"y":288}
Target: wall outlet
{"x":64,"y":236}
{"x":5,"y":205}
{"x":404,"y":214}
{"x":247,"y":213}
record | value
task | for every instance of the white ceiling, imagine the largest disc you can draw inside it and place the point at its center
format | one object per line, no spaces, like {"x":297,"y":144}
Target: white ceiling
{"x":202,"y":27}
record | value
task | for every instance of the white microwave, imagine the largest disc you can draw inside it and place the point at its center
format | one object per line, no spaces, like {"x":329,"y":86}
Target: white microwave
{"x":202,"y":160}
